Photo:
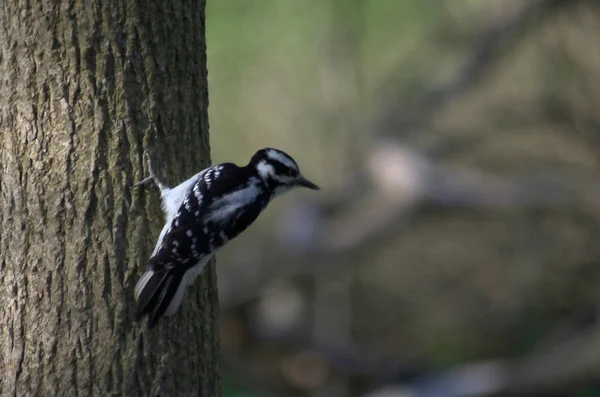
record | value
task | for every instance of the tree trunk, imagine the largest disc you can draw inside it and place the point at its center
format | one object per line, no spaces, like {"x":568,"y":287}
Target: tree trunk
{"x":85,"y":87}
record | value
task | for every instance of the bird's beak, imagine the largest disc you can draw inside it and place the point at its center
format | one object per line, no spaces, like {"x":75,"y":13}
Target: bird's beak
{"x":302,"y":181}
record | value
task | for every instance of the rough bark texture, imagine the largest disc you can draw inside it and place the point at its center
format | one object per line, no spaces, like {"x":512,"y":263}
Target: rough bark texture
{"x":85,"y":87}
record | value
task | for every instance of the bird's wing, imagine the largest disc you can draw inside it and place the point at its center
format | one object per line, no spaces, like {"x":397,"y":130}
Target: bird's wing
{"x":190,"y":237}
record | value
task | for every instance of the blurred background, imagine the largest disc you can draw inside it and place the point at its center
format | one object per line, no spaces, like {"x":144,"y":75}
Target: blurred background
{"x":454,"y":247}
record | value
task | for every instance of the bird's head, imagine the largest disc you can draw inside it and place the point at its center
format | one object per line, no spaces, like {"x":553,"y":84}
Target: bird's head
{"x":279,"y":171}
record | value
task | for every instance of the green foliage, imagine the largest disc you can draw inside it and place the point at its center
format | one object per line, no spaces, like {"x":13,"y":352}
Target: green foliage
{"x":269,"y":60}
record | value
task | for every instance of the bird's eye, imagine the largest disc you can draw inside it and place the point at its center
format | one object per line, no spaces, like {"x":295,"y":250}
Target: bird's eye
{"x":292,"y":172}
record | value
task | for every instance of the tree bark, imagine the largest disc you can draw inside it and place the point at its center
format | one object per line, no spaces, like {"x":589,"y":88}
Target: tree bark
{"x":85,"y":87}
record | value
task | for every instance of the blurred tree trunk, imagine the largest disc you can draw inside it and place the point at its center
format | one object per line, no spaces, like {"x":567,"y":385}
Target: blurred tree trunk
{"x":85,"y":87}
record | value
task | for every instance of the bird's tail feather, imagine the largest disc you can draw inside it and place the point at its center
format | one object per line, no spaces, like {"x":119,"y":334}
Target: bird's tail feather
{"x":155,"y":293}
{"x":142,"y":283}
{"x":169,"y":290}
{"x":178,"y":297}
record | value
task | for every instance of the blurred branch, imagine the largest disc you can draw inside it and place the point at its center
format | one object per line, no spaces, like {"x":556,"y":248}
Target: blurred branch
{"x":397,"y":182}
{"x":564,"y":362}
{"x":400,"y":184}
{"x":488,"y":47}
{"x":405,"y":185}
{"x":551,"y":369}
{"x":567,"y":360}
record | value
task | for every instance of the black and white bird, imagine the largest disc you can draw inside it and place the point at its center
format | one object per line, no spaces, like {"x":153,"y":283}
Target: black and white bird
{"x":203,"y":214}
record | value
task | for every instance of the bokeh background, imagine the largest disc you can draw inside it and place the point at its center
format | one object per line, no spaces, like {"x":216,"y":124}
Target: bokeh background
{"x":454,"y":247}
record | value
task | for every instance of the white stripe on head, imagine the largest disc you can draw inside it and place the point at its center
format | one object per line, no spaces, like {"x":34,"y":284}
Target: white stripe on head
{"x":265,"y":170}
{"x":282,"y":158}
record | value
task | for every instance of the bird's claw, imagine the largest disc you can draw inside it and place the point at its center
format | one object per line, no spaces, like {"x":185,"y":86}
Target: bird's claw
{"x":144,"y":181}
{"x":152,"y":177}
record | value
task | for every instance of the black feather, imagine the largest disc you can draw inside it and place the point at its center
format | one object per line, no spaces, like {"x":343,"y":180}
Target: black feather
{"x":151,"y":292}
{"x":169,"y":288}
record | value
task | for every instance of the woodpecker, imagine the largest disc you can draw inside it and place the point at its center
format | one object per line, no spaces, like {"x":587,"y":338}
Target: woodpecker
{"x":203,"y":214}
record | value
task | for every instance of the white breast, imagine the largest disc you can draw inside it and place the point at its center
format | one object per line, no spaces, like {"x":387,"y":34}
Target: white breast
{"x":173,"y":198}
